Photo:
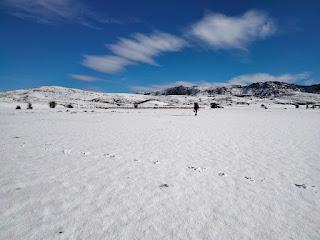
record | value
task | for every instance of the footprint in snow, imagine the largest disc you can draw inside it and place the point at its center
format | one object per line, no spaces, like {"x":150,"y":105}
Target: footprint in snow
{"x":108,"y":155}
{"x":85,"y":153}
{"x":136,"y":160}
{"x":199,"y":169}
{"x":66,"y":151}
{"x":221,"y":174}
{"x":304,"y":186}
{"x":301,"y":186}
{"x":164,"y":185}
{"x":156,"y":162}
{"x":249,"y":178}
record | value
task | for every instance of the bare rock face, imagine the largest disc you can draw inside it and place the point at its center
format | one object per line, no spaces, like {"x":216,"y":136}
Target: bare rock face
{"x":181,"y":90}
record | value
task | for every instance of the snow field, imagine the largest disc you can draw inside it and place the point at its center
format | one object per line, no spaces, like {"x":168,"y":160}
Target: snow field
{"x":160,"y":174}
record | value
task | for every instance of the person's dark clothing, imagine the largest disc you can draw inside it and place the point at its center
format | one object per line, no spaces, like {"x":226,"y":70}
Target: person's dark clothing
{"x":195,"y":108}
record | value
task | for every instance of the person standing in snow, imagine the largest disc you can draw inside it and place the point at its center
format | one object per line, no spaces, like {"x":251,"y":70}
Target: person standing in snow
{"x":195,"y":108}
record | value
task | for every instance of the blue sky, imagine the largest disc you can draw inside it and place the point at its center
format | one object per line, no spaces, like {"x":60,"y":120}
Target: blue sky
{"x":128,"y":46}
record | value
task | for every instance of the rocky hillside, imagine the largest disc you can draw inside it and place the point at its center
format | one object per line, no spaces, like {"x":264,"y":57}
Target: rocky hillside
{"x":180,"y":96}
{"x":261,"y":89}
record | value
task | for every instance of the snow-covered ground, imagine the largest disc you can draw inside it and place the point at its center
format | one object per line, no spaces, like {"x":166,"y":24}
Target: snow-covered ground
{"x":232,"y":173}
{"x":86,"y":99}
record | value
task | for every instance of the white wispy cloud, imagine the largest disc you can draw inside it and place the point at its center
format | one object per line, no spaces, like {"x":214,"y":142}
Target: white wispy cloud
{"x":85,"y":78}
{"x":215,"y":30}
{"x":233,"y":32}
{"x":140,"y":48}
{"x":143,"y":48}
{"x":265,"y":77}
{"x":106,"y":63}
{"x":52,"y":11}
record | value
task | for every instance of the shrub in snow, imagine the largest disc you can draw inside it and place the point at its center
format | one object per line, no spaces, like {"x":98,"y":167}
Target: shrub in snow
{"x":297,"y":105}
{"x":264,"y":106}
{"x":135,"y":105}
{"x":215,"y":105}
{"x":52,"y":104}
{"x":243,"y":103}
{"x":29,"y":106}
{"x":18,"y":107}
{"x":69,"y":106}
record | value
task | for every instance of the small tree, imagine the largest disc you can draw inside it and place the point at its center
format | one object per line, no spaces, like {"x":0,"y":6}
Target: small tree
{"x":52,"y":104}
{"x":29,"y":106}
{"x":18,"y":107}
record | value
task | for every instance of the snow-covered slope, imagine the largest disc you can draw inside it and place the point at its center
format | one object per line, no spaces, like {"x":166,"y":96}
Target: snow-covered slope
{"x":181,"y":97}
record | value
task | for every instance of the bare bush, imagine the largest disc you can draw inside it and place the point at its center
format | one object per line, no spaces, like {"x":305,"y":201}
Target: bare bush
{"x":263,"y":106}
{"x":29,"y":106}
{"x":215,"y":105}
{"x":52,"y":104}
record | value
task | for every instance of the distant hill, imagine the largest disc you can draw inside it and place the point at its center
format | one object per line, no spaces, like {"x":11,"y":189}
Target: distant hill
{"x":179,"y":96}
{"x":260,"y":89}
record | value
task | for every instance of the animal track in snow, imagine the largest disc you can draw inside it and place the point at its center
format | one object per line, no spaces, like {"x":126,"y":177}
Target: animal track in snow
{"x":85,"y":153}
{"x":108,"y":155}
{"x":301,"y":185}
{"x":66,"y":151}
{"x":249,"y":178}
{"x":199,"y":169}
{"x":156,"y":162}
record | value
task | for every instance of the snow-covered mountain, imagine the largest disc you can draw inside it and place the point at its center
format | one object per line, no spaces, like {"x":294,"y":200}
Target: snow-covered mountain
{"x":267,"y":89}
{"x":179,"y":96}
{"x":260,"y":89}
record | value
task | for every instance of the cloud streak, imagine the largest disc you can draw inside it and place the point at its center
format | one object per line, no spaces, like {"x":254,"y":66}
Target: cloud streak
{"x":265,"y":77}
{"x":215,"y":30}
{"x":107,"y":64}
{"x":52,"y":11}
{"x":232,"y":32}
{"x":143,"y":48}
{"x":140,"y":48}
{"x":85,"y":78}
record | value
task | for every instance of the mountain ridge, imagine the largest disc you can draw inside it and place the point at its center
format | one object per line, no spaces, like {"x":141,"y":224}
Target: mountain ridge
{"x":259,"y":89}
{"x":179,"y":96}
